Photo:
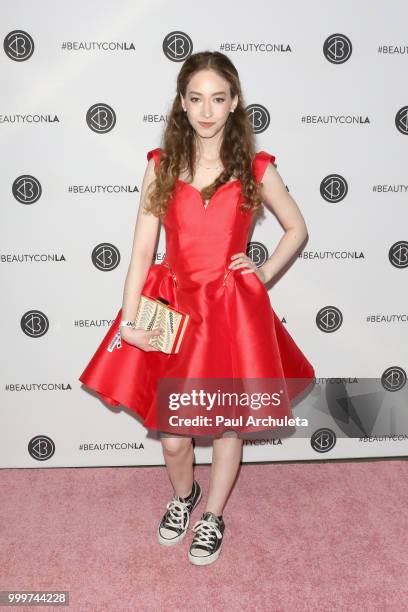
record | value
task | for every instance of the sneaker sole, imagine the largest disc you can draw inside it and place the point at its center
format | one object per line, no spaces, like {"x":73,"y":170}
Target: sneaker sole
{"x":204,"y":560}
{"x":177,"y":539}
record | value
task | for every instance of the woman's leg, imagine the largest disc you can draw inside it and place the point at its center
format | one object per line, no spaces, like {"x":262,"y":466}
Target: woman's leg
{"x":178,"y":455}
{"x":227,"y":452}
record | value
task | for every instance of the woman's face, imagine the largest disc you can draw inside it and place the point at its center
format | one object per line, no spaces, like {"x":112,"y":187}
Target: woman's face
{"x":208,"y":102}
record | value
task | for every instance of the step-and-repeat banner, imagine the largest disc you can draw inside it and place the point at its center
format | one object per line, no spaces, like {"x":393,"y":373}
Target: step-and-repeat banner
{"x":86,"y":89}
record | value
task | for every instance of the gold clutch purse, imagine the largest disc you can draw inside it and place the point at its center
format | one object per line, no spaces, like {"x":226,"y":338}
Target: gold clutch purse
{"x":155,"y":313}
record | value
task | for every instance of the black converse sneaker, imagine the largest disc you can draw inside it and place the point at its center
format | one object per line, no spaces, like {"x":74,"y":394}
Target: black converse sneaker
{"x":174,"y":524}
{"x":206,"y":545}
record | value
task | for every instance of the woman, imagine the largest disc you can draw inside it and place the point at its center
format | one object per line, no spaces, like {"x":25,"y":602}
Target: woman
{"x":205,"y":184}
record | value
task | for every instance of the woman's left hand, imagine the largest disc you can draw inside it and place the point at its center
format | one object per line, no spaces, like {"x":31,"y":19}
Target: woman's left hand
{"x":241,"y":260}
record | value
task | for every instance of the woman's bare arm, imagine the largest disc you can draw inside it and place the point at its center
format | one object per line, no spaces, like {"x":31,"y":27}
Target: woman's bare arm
{"x":144,"y":240}
{"x":278,"y":199}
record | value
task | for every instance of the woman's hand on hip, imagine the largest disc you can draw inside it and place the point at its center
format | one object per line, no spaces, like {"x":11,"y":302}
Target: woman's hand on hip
{"x":241,"y":260}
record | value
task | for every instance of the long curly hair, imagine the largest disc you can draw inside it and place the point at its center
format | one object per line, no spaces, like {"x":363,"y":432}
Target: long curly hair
{"x":178,"y":149}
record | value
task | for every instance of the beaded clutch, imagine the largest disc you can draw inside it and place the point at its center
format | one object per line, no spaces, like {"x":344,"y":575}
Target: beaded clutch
{"x":155,"y":313}
{"x":152,"y":314}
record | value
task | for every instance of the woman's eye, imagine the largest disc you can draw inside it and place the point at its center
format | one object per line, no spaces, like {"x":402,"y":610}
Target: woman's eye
{"x":217,"y":99}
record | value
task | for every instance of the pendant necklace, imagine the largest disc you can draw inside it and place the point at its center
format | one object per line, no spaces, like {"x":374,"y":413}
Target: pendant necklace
{"x":207,"y":168}
{"x":211,"y":168}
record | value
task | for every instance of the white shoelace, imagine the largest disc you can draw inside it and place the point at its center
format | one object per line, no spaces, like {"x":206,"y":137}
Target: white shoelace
{"x":205,"y":533}
{"x":178,"y":510}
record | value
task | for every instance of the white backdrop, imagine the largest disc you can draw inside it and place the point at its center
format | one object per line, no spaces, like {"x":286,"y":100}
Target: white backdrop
{"x":85,"y":91}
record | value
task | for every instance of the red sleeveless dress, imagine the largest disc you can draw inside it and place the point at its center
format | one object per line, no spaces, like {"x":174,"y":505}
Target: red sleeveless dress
{"x":233,"y":330}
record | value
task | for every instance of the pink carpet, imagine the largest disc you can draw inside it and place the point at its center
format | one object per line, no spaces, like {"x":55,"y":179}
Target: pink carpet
{"x":299,"y":536}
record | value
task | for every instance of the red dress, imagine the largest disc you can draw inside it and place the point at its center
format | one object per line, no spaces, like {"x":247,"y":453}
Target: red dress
{"x":233,"y":332}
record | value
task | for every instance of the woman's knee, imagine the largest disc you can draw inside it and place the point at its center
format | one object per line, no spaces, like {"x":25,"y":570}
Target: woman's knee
{"x":175,"y":446}
{"x":229,"y":433}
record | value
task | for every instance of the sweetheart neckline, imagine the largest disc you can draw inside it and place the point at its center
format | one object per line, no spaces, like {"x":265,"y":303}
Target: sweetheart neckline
{"x":216,"y":191}
{"x":237,"y":180}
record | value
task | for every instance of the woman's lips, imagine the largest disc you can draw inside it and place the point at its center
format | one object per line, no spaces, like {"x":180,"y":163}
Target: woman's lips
{"x":206,"y":124}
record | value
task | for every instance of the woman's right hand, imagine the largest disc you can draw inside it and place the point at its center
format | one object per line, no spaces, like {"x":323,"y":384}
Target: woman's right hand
{"x":140,"y":337}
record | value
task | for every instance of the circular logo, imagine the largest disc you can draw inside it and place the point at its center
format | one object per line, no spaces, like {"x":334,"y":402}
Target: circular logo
{"x":259,"y":117}
{"x":41,"y":448}
{"x":337,"y":48}
{"x":398,"y":254}
{"x":105,"y":257}
{"x":18,"y":45}
{"x":177,"y":46}
{"x":34,"y":323}
{"x":26,"y":189}
{"x":323,"y":440}
{"x":333,"y":188}
{"x":401,"y":120}
{"x":101,"y":118}
{"x":329,"y":319}
{"x":257,"y":252}
{"x":394,"y":378}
